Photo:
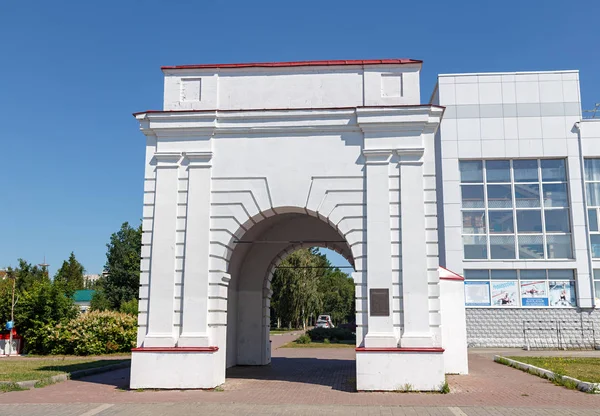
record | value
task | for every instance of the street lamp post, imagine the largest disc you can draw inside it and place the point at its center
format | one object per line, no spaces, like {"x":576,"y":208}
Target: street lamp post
{"x":12,"y":276}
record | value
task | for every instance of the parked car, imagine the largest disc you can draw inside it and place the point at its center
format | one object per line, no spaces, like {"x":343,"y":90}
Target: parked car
{"x":324,"y":319}
{"x":322,"y":324}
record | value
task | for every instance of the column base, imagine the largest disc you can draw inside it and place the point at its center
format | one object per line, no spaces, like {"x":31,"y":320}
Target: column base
{"x":159,"y":340}
{"x":399,"y":369}
{"x":381,"y":340}
{"x":193,"y":340}
{"x":174,"y":368}
{"x":416,"y":340}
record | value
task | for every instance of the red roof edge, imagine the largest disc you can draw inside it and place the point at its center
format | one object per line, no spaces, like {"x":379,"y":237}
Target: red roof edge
{"x":446,"y":274}
{"x":402,"y":61}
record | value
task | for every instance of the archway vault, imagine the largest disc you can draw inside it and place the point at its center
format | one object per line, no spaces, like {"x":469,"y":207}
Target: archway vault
{"x":251,"y":266}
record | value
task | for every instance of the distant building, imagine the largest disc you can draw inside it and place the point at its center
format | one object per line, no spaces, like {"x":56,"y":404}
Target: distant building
{"x":83,"y":299}
{"x":90,"y":279}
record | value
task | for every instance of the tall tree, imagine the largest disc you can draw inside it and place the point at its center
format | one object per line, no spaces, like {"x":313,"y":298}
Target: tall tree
{"x":122,"y":270}
{"x":305,"y":284}
{"x":70,"y":275}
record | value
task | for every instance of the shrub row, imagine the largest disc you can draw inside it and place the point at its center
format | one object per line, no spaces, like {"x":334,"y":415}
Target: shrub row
{"x":332,"y":334}
{"x":91,"y":333}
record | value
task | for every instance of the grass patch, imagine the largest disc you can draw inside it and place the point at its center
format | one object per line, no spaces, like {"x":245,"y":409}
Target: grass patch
{"x":320,"y":344}
{"x":581,"y":368}
{"x":6,"y":387}
{"x":23,"y":369}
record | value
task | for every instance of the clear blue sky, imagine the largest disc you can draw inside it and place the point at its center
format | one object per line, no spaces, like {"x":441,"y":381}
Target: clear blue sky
{"x":71,"y":74}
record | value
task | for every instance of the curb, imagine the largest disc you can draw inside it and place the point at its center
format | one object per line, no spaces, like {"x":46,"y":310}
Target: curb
{"x":29,"y":384}
{"x":542,"y":372}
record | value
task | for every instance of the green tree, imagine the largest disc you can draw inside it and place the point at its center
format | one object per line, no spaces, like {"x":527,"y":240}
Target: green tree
{"x":122,"y":279}
{"x":70,"y":275}
{"x":295,"y":288}
{"x":304,"y":285}
{"x":45,"y":303}
{"x":337,"y":290}
{"x":27,"y":274}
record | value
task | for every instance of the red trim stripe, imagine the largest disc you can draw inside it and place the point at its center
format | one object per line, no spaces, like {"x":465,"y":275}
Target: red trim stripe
{"x":175,"y":349}
{"x":401,"y":349}
{"x":403,"y":61}
{"x":286,"y":109}
{"x":458,"y":279}
{"x":446,"y":274}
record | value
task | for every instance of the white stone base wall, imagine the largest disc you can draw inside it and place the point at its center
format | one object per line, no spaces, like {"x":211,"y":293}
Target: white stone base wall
{"x":494,"y":327}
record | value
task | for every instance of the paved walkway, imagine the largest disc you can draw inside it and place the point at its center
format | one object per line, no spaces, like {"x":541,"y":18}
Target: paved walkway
{"x":309,"y":381}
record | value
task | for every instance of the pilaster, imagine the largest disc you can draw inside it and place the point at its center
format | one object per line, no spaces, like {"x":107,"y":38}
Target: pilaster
{"x":162,"y":266}
{"x":380,"y":331}
{"x":415,"y":290}
{"x":194,"y":330}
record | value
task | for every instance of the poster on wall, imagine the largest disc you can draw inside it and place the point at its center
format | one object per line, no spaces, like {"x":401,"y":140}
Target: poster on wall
{"x":534,"y":293}
{"x":505,"y":294}
{"x":477,"y":293}
{"x":562,"y":293}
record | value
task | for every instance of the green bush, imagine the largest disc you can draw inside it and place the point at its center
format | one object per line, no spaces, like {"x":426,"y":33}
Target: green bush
{"x":130,"y":307}
{"x":92,"y":333}
{"x":337,"y":334}
{"x":303,"y":339}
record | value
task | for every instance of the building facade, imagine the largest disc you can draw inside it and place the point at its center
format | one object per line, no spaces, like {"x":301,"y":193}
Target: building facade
{"x":496,"y":179}
{"x":519,"y":183}
{"x":249,"y":162}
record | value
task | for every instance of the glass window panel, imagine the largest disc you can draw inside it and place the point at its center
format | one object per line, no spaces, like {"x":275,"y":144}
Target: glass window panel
{"x":474,"y":222}
{"x":472,"y":196}
{"x":593,"y":219}
{"x":502,"y":247}
{"x":595,"y":240}
{"x":527,"y":196}
{"x":559,"y":246}
{"x":593,"y":194}
{"x":532,"y":274}
{"x":553,"y":170}
{"x":471,"y":171}
{"x":531,"y":247}
{"x":497,"y":170}
{"x":597,"y":287}
{"x":592,"y":169}
{"x":504,"y":274}
{"x":561,"y":274}
{"x":501,"y":222}
{"x":499,"y":196}
{"x":597,"y":274}
{"x":525,"y":170}
{"x":555,"y":195}
{"x":475,"y":247}
{"x":557,"y":220}
{"x":477,"y":274}
{"x":529,"y":221}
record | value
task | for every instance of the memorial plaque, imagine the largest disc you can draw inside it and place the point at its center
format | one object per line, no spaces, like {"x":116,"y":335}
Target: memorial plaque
{"x":379,"y":302}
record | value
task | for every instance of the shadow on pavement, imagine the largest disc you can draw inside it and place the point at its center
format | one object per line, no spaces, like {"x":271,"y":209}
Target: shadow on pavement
{"x":338,"y":374}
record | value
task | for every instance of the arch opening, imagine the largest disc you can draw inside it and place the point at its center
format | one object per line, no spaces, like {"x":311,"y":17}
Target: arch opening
{"x":257,"y":253}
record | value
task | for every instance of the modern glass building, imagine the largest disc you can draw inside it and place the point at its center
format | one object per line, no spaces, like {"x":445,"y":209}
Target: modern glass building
{"x":518,"y":174}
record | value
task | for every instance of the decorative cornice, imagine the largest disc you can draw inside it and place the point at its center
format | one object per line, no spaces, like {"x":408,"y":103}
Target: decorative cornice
{"x":377,"y":156}
{"x":410,"y":155}
{"x":198,"y":159}
{"x":167,"y":160}
{"x":403,"y":120}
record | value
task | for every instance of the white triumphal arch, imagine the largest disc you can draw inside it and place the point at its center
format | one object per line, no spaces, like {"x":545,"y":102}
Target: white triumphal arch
{"x":248,"y":162}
